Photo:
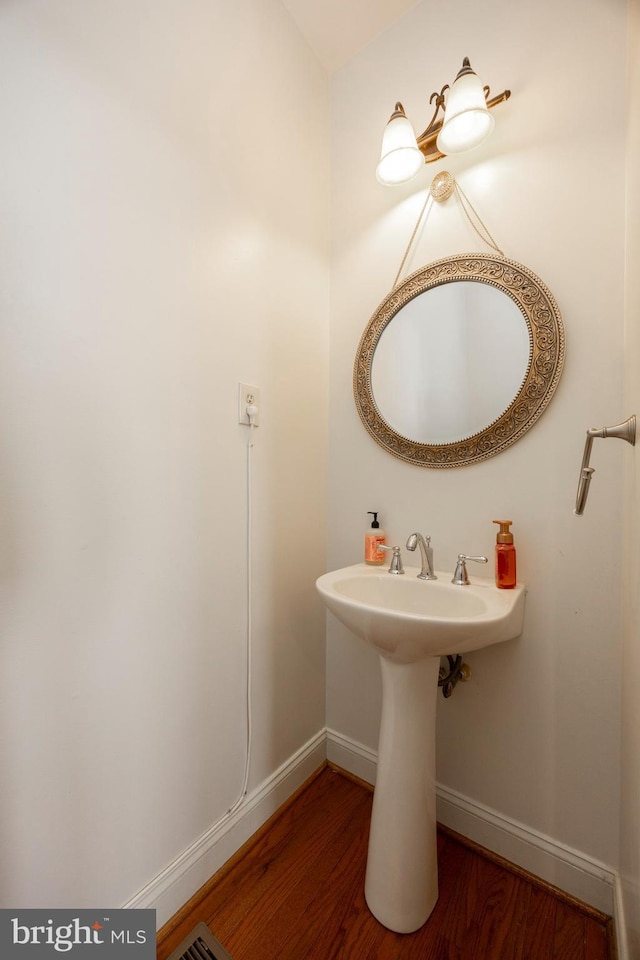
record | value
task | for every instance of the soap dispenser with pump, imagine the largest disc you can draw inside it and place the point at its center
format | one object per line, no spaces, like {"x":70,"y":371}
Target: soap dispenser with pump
{"x":373,"y":538}
{"x":505,"y":556}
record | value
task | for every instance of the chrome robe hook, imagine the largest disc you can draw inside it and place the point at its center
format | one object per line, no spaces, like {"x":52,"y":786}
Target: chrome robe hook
{"x":623,"y":431}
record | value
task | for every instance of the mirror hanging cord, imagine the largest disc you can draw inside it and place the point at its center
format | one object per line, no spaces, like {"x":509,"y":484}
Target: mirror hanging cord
{"x":428,"y":201}
{"x":442,"y":187}
{"x":488,"y":239}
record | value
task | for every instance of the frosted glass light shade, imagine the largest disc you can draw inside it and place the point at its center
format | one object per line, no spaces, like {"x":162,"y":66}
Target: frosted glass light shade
{"x":467,"y":120}
{"x":400,"y":159}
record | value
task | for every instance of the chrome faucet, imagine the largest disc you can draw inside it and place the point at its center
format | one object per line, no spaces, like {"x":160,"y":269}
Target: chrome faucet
{"x":396,"y":559}
{"x":461,"y":577}
{"x":426,"y":553}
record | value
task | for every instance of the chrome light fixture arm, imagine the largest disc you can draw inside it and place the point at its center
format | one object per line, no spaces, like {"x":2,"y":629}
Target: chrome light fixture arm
{"x":622,"y":431}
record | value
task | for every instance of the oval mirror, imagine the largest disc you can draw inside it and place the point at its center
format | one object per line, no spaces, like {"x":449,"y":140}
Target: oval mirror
{"x":459,"y":361}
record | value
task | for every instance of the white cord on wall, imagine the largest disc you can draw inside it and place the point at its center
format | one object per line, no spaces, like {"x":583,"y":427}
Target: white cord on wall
{"x":251,"y":413}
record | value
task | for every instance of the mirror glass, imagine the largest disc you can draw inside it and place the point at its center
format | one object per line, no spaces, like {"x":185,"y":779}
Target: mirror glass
{"x":451,"y":362}
{"x":459,"y":360}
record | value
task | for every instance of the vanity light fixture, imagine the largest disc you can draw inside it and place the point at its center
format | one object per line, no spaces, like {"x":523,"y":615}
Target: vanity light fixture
{"x":465,"y":123}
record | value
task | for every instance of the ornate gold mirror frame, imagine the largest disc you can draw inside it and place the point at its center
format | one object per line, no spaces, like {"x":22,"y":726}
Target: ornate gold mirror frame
{"x":546,"y":357}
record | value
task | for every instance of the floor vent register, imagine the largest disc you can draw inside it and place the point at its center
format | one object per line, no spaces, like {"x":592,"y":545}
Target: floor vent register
{"x":200,"y":945}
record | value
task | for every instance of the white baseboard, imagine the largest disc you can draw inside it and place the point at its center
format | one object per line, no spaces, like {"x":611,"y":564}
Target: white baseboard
{"x":574,"y":872}
{"x":354,"y":757}
{"x":177,"y":883}
{"x":579,"y":875}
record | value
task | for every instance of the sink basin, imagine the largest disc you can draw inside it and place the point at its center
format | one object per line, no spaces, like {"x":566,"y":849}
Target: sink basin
{"x":412,"y":623}
{"x":407,"y":619}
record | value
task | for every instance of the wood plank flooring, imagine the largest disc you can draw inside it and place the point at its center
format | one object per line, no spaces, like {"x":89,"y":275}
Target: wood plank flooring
{"x":295,"y":892}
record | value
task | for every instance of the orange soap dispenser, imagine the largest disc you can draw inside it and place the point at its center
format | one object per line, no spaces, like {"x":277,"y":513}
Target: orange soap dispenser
{"x":373,"y":538}
{"x":505,"y":557}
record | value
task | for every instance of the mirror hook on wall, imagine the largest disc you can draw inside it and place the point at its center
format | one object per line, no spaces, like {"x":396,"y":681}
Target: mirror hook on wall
{"x":623,"y":431}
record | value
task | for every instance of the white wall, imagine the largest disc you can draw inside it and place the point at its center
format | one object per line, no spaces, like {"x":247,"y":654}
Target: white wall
{"x":630,"y":792}
{"x":163,"y":235}
{"x":535,"y":735}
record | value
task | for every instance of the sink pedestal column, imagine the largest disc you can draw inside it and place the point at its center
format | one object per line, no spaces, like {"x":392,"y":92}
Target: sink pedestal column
{"x":401,"y":886}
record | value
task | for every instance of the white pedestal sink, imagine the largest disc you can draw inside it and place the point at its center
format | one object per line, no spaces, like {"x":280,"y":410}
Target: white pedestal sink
{"x":412,"y":623}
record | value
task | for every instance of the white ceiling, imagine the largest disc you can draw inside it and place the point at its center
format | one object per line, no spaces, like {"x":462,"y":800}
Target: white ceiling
{"x":337,"y":29}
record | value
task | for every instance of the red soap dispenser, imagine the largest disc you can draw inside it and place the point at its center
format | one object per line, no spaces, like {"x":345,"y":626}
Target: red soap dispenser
{"x":505,"y":557}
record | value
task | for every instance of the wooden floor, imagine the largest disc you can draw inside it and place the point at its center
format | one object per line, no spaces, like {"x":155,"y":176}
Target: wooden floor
{"x":296,"y":893}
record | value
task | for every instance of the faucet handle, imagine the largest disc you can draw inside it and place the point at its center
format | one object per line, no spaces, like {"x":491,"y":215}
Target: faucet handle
{"x":396,"y":559}
{"x":461,"y":577}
